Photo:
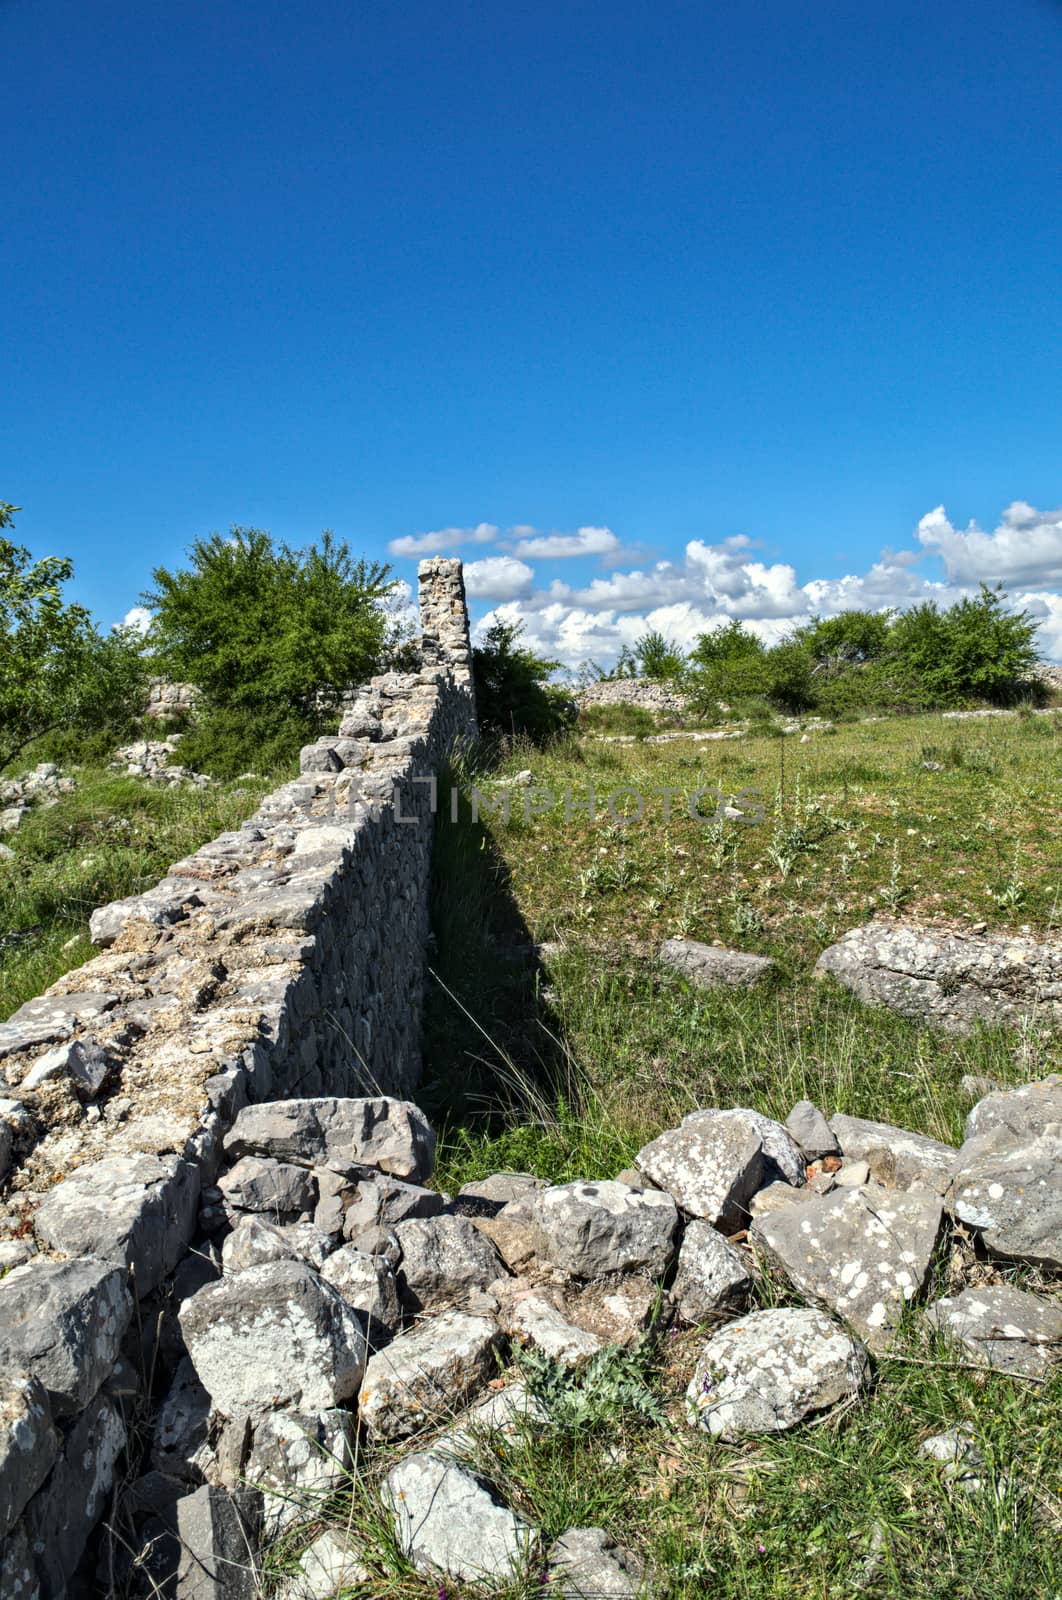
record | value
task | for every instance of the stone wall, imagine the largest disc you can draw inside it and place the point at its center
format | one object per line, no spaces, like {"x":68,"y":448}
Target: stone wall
{"x":166,"y":699}
{"x":282,"y":959}
{"x":644,"y":692}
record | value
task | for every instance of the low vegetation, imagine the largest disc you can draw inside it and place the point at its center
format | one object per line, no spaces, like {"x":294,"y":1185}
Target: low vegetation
{"x":112,"y":836}
{"x":545,"y":983}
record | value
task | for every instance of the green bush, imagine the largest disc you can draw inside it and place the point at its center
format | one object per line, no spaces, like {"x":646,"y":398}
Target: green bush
{"x":618,"y":718}
{"x":976,"y":649}
{"x":513,"y":692}
{"x":58,"y":672}
{"x":271,"y":637}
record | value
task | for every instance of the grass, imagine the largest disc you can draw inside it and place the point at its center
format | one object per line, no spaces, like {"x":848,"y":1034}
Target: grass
{"x":556,"y":1044}
{"x":113,"y":836}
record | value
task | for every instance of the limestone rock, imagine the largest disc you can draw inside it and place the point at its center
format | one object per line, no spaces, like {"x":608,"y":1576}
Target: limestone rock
{"x":277,"y":1188}
{"x":168,"y":902}
{"x":328,"y":1567}
{"x":492,"y":1420}
{"x":532,"y":1318}
{"x":590,"y":1229}
{"x":710,"y":1168}
{"x":782,"y":1155}
{"x":393,"y":1135}
{"x":585,"y":1564}
{"x":274,"y":1335}
{"x":863,"y":1253}
{"x":712,"y":1275}
{"x":383,"y":1201}
{"x":29,"y":1443}
{"x":367,"y":1283}
{"x":180,"y":1444}
{"x":443,"y":1258}
{"x":1025,"y":1113}
{"x":776,"y":1196}
{"x":138,"y":1210}
{"x":811,"y":1131}
{"x":769,"y":1370}
{"x":253,"y":1242}
{"x":709,"y":967}
{"x":1003,"y":1327}
{"x":949,"y":980}
{"x":219,"y":1534}
{"x":64,"y":1321}
{"x":448,"y":1520}
{"x":295,"y":1459}
{"x":1012,"y":1195}
{"x":617,"y":1310}
{"x":502,"y":1187}
{"x":427,"y":1373}
{"x":64,"y":1511}
{"x":895,"y":1157}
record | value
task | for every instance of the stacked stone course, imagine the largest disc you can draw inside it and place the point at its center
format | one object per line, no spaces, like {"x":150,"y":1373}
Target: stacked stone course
{"x":283,"y":958}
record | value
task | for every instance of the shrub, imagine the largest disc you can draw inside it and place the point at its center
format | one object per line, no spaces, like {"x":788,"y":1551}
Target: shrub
{"x":271,"y":636}
{"x":658,"y":657}
{"x":57,"y":671}
{"x":513,"y":692}
{"x":976,"y":649}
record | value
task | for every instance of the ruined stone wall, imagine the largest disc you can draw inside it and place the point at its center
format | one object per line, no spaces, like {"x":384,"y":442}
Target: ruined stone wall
{"x":284,"y":958}
{"x":644,"y":692}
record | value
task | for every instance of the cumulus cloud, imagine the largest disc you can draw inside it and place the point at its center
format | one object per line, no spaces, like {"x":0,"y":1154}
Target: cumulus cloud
{"x":428,"y":544}
{"x":713,"y":583}
{"x":1026,"y":547}
{"x":498,"y":578}
{"x":139,"y":617}
{"x":565,"y":546}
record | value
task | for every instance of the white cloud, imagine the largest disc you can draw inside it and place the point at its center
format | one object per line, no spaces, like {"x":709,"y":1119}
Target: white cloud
{"x":426,"y":544}
{"x":498,"y":578}
{"x":1026,"y":548}
{"x":563,"y":546}
{"x":139,"y":617}
{"x":715,"y":582}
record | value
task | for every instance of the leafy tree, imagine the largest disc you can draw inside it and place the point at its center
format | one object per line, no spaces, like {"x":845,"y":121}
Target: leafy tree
{"x":849,"y":639}
{"x":732,"y":642}
{"x":513,"y":692}
{"x":976,"y":649}
{"x":658,"y":657}
{"x":57,"y":671}
{"x":271,"y":636}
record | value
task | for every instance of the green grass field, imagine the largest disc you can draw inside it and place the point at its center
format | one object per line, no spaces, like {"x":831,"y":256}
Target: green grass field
{"x":113,"y":836}
{"x":564,"y":1062}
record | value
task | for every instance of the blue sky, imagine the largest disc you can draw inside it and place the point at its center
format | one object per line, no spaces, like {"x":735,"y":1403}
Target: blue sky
{"x":747,"y":291}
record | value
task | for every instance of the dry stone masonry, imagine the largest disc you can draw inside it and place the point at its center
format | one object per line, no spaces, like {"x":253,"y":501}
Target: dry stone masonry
{"x":232,"y":1290}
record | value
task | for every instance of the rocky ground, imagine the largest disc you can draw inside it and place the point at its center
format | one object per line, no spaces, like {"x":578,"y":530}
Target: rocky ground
{"x":343,"y":1327}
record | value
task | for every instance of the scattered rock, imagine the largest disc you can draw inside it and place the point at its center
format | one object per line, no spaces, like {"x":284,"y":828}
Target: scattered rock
{"x":29,"y":1443}
{"x":64,"y":1321}
{"x":863,"y":1253}
{"x":502,"y":1187}
{"x":219,"y":1534}
{"x":777,"y":1195}
{"x":448,"y":1520}
{"x":427,"y":1373}
{"x":853,"y":1175}
{"x":711,"y":1169}
{"x":296,"y":1459}
{"x":532,"y":1318}
{"x":274,"y":1335}
{"x":138,"y":1210}
{"x":811,"y":1131}
{"x":383,"y":1132}
{"x":1025,"y":1113}
{"x":585,"y":1564}
{"x":275,"y":1187}
{"x":492,"y":1420}
{"x":327,"y":1567}
{"x":708,"y":966}
{"x":1003,"y":1327}
{"x":769,"y":1370}
{"x":442,"y":1259}
{"x":1012,"y":1196}
{"x":64,"y":1511}
{"x":382,"y":1201}
{"x":367,"y":1283}
{"x":590,"y":1229}
{"x":712,"y":1275}
{"x":895,"y":1157}
{"x":949,"y":980}
{"x":963,"y":1463}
